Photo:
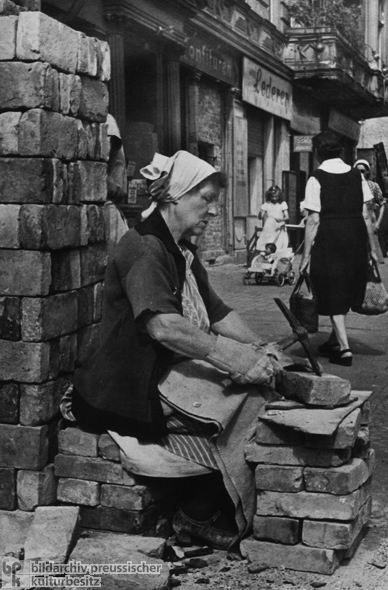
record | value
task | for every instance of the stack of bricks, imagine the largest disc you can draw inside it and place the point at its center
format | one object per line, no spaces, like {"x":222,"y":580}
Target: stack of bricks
{"x":91,"y":476}
{"x":54,"y":149}
{"x":313,"y":489}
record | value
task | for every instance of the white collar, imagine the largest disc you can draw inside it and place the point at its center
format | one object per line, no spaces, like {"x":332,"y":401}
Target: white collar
{"x":335,"y":165}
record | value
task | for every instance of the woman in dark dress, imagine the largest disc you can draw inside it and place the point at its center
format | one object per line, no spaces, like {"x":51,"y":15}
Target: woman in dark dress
{"x":338,"y":230}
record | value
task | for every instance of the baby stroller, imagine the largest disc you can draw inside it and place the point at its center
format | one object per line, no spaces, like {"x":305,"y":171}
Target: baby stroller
{"x":278,"y":269}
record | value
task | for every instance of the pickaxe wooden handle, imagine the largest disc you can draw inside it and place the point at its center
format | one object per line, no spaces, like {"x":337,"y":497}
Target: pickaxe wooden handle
{"x":299,"y":334}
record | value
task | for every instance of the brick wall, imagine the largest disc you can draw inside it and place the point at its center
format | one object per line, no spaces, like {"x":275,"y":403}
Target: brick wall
{"x":53,"y":153}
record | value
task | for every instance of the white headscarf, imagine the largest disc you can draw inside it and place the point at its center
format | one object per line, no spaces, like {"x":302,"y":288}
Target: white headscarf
{"x":174,"y":177}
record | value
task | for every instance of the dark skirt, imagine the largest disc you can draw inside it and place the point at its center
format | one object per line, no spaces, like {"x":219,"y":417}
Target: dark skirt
{"x":339,"y":261}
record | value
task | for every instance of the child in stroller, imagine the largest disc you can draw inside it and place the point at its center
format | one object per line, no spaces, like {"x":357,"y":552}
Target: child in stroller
{"x":272,"y":263}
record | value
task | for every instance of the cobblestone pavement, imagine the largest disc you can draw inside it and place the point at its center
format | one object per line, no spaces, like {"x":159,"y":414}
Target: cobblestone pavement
{"x":368,"y":338}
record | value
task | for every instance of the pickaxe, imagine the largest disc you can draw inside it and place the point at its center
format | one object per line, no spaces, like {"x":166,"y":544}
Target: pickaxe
{"x":299,"y":334}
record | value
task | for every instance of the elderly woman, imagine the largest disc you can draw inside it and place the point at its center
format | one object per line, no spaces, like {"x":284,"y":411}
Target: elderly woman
{"x":167,"y":344}
{"x":338,"y":229}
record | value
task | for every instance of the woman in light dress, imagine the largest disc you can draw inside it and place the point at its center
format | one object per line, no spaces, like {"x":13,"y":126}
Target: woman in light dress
{"x":274,"y":213}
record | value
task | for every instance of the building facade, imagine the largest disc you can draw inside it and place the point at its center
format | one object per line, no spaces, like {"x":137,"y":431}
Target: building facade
{"x":243,"y":84}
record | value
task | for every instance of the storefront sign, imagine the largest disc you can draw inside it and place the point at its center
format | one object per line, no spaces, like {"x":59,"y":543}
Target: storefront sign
{"x":266,"y":90}
{"x":343,"y":125}
{"x":303,"y":143}
{"x":207,"y":58}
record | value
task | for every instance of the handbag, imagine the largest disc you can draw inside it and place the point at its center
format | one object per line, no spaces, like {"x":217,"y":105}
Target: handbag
{"x":304,"y":304}
{"x":376,"y":297}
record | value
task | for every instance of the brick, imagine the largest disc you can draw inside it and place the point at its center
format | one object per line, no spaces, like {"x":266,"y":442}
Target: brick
{"x":10,"y":319}
{"x":94,"y":100}
{"x":92,"y":469}
{"x":103,"y":143}
{"x":113,"y":548}
{"x":125,"y":497}
{"x":8,"y":27}
{"x":108,"y":449}
{"x":116,"y":519}
{"x":339,"y":480}
{"x":9,"y":403}
{"x":362,"y":445}
{"x":14,"y":526}
{"x":327,"y":390}
{"x":36,"y":488}
{"x":313,"y":505}
{"x":67,"y":353}
{"x":44,"y":133}
{"x":26,"y":85}
{"x":87,"y":56}
{"x":82,"y":151}
{"x":92,"y":133}
{"x":279,"y":478}
{"x":365,"y":414}
{"x":69,"y":94}
{"x":30,"y":180}
{"x":88,"y":341}
{"x":53,"y":533}
{"x":96,"y":223}
{"x":40,"y":37}
{"x":9,"y":133}
{"x":39,"y":404}
{"x":78,"y":491}
{"x":277,"y":530}
{"x":65,"y":270}
{"x":77,"y":441}
{"x":87,"y":301}
{"x":7,"y":489}
{"x":293,"y":557}
{"x":9,"y":225}
{"x":90,"y":304}
{"x":23,"y":447}
{"x":28,"y":362}
{"x":84,"y":232}
{"x":88,"y":181}
{"x":344,"y":437}
{"x":273,"y":434}
{"x":24,"y":273}
{"x":49,"y":317}
{"x":300,"y":455}
{"x":103,"y":61}
{"x":335,"y":535}
{"x":98,"y":290}
{"x":94,"y":259}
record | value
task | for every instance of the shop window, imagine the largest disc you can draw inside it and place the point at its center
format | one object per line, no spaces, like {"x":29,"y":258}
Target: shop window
{"x":206,"y":151}
{"x":255,"y":178}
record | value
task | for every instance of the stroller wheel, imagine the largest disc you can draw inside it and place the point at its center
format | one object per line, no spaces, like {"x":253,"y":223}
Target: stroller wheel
{"x":246,"y":280}
{"x":291,"y":278}
{"x":259,"y":277}
{"x":280,"y":279}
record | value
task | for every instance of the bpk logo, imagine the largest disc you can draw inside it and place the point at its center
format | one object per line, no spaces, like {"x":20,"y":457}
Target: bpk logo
{"x":12,"y":574}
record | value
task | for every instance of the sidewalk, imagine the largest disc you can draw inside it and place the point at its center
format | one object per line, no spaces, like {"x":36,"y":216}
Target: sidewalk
{"x":368,"y":337}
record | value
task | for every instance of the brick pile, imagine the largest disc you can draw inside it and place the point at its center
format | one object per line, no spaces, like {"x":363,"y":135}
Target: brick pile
{"x":313,"y":489}
{"x":91,"y":476}
{"x":54,"y":149}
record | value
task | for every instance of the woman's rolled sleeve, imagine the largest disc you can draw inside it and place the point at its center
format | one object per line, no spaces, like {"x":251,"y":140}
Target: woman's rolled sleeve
{"x":150,"y":287}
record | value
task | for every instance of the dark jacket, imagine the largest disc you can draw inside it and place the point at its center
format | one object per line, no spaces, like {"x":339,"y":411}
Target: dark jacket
{"x":117,"y":388}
